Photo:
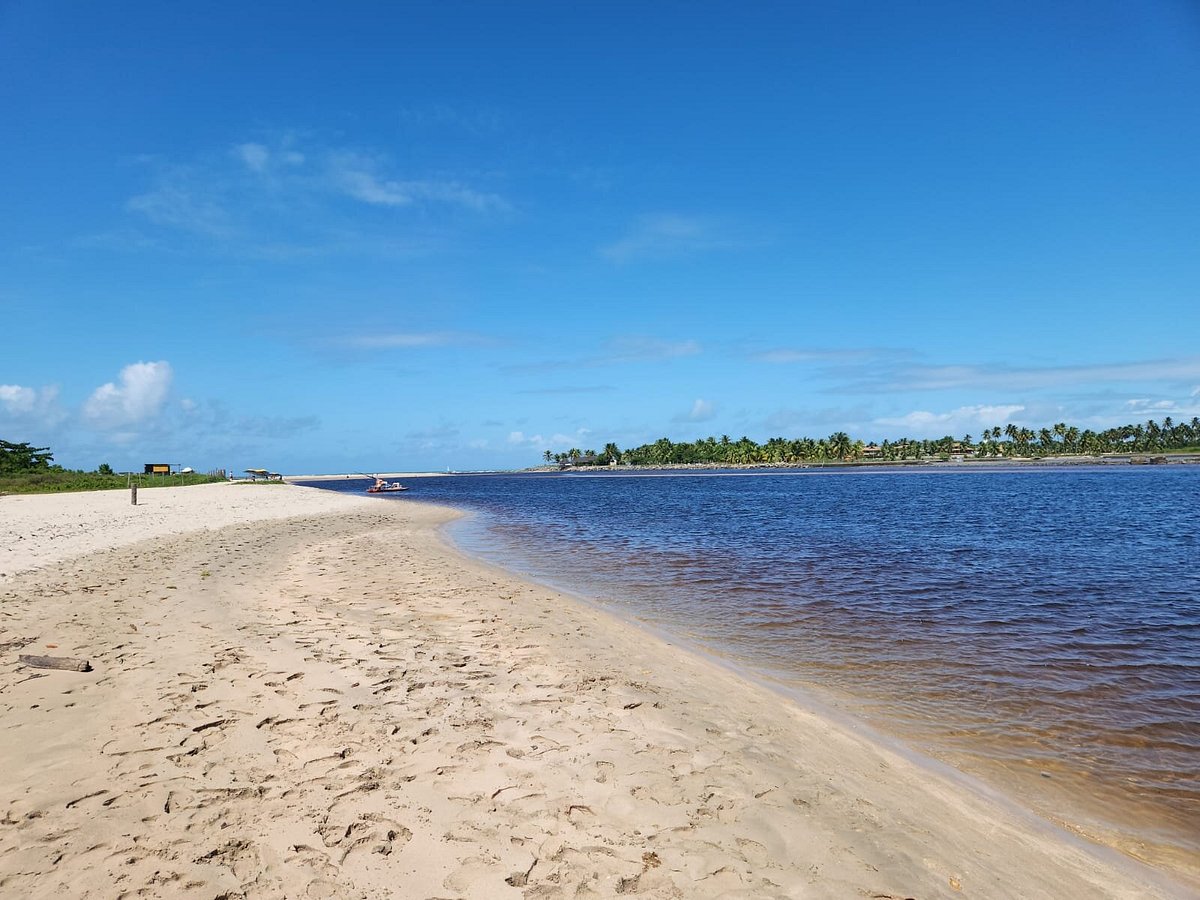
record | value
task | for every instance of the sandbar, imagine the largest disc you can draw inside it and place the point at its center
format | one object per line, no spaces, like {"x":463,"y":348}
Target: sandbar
{"x":300,"y":693}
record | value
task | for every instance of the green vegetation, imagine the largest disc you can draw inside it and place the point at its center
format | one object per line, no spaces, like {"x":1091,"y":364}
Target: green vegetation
{"x":25,"y":469}
{"x":995,"y":443}
{"x":56,"y":479}
{"x":23,"y":458}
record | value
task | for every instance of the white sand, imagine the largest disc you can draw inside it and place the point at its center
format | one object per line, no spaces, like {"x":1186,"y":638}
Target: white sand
{"x":303,"y":694}
{"x":42,"y":529}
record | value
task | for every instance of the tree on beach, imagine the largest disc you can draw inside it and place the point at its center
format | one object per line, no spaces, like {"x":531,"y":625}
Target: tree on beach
{"x":839,"y":444}
{"x":23,"y":457}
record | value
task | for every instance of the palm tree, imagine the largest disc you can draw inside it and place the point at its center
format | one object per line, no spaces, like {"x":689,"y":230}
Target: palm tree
{"x":839,"y":444}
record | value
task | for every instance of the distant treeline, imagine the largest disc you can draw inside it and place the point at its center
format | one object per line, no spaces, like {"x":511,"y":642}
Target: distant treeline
{"x":1010,"y":441}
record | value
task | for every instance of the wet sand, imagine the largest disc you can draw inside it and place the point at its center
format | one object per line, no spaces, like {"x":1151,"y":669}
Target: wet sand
{"x":301,"y":694}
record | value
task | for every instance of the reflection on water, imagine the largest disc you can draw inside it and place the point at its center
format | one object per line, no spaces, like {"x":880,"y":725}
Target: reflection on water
{"x":1040,"y":628}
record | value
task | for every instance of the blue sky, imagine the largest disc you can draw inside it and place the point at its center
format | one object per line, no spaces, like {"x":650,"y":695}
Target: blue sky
{"x":418,"y":236}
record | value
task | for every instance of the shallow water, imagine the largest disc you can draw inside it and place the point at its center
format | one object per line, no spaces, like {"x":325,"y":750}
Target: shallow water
{"x":1037,"y":627}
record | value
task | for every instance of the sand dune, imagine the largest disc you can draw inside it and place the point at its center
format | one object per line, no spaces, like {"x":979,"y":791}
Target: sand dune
{"x":316,"y":697}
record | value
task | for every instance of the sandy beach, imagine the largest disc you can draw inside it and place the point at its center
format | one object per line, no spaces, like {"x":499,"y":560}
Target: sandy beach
{"x":296,"y":693}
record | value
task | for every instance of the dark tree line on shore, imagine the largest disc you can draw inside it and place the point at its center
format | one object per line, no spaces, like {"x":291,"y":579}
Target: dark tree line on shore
{"x":1007,"y":442}
{"x":23,"y":458}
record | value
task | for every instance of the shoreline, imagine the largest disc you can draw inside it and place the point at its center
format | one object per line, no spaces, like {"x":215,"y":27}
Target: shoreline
{"x":507,"y":729}
{"x":1051,"y":791}
{"x":934,"y":465}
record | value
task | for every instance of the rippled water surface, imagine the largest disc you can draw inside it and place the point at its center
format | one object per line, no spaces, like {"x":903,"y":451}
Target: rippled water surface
{"x":1038,"y":627}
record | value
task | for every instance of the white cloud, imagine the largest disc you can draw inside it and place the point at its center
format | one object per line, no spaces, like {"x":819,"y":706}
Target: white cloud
{"x":664,"y":236}
{"x":255,"y":156}
{"x":139,"y":395}
{"x":475,"y":122}
{"x":519,"y":437}
{"x":262,"y":159}
{"x":618,"y":351}
{"x":357,"y":176}
{"x":785,"y":355}
{"x":17,"y":399}
{"x":701,"y":411}
{"x":265,"y":192}
{"x":921,"y":423}
{"x":639,"y":349}
{"x":1147,"y":405}
{"x":30,"y":405}
{"x":1002,"y":377}
{"x":412,"y":339}
{"x":180,"y":204}
{"x":558,"y":439}
{"x":365,"y":186}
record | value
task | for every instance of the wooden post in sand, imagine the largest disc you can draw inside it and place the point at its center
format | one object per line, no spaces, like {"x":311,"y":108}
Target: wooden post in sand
{"x":133,"y":494}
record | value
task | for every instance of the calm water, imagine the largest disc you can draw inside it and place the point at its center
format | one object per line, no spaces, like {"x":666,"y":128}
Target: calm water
{"x":1039,"y":628}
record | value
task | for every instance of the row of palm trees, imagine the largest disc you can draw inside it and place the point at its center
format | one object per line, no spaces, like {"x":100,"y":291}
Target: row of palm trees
{"x":1060,"y":439}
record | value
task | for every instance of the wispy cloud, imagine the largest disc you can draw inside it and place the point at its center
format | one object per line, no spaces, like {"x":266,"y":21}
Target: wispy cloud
{"x":520,"y":438}
{"x":792,"y":355}
{"x":668,"y":235}
{"x":359,"y":176}
{"x":275,"y":427}
{"x":872,"y":370}
{"x":1157,"y":408}
{"x":476,"y":122}
{"x":572,"y":389}
{"x":701,"y":411}
{"x":139,"y":393}
{"x":180,"y":199}
{"x":30,"y":406}
{"x":922,"y":423}
{"x":558,"y":439}
{"x":637,"y":348}
{"x":16,"y":399}
{"x":816,"y":421}
{"x":261,"y":158}
{"x":908,"y":377}
{"x":401,"y":340}
{"x":622,"y":350}
{"x":269,"y":193}
{"x":255,"y":156}
{"x":436,"y":437}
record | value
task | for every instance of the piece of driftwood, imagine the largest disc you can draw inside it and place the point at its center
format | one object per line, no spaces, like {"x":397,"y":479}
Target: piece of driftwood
{"x":56,"y":662}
